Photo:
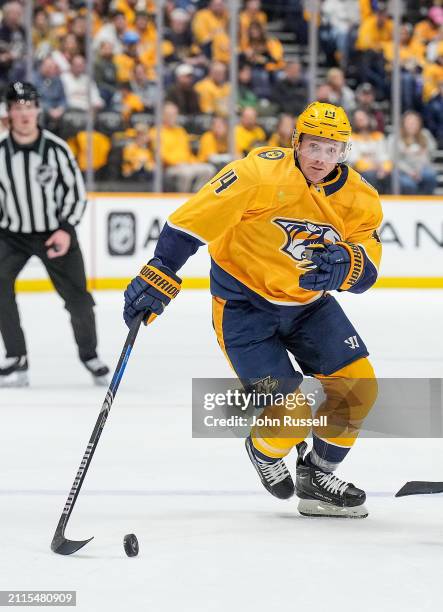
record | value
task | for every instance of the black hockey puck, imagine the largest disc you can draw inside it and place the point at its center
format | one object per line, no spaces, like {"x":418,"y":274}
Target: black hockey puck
{"x":130,"y":544}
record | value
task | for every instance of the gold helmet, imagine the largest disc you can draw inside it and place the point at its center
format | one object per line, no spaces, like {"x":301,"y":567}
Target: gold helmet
{"x":326,"y":121}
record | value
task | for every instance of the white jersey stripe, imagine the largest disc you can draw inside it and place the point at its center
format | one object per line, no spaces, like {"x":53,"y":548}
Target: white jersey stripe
{"x":42,"y":185}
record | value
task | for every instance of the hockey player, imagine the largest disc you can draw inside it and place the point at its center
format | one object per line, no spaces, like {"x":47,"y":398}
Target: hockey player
{"x":284,"y":228}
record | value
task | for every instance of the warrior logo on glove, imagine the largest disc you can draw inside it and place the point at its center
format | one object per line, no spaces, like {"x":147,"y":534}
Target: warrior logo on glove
{"x":150,"y":291}
{"x":302,"y":234}
{"x":153,"y":276}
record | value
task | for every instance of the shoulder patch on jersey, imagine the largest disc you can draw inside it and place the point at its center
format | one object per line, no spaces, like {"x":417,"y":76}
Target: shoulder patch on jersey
{"x":272,"y":154}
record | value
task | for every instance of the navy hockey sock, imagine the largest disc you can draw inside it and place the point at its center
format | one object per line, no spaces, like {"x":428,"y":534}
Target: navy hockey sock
{"x":326,"y":456}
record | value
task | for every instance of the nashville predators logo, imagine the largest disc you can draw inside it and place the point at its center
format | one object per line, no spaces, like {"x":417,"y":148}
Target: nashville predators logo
{"x":272,"y":154}
{"x":301,"y":234}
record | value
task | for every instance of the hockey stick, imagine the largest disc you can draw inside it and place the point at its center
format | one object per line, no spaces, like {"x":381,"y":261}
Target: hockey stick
{"x":420,"y":487}
{"x":60,"y":544}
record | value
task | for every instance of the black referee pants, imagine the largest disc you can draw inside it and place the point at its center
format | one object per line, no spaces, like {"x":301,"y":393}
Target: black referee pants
{"x":67,"y":274}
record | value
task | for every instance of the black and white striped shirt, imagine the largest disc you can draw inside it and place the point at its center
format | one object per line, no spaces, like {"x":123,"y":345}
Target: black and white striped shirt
{"x":41,"y":187}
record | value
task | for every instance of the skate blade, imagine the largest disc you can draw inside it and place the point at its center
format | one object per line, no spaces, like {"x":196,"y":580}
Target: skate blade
{"x":101,"y":381}
{"x":314,"y":507}
{"x":14,"y":380}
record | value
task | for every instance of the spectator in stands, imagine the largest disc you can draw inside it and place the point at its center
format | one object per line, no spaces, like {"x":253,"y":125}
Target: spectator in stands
{"x":365,"y":100}
{"x":208,"y":22}
{"x":416,"y":146}
{"x":251,"y":13}
{"x":412,"y":59}
{"x":44,"y":39}
{"x":245,"y":93}
{"x":290,"y":93}
{"x":428,"y":29}
{"x":100,"y":13}
{"x":147,"y":55}
{"x":373,"y":32}
{"x":138,"y":160}
{"x":78,"y":27}
{"x":76,"y":85}
{"x":101,"y":147}
{"x":369,"y":152}
{"x":68,"y":50}
{"x":295,"y":15}
{"x":58,"y":15}
{"x":265,"y":55}
{"x":181,"y":167}
{"x":262,"y":51}
{"x":126,"y":60}
{"x":145,"y":89}
{"x":283,"y":136}
{"x":214,"y":146}
{"x":248,"y":134}
{"x":214,"y":90}
{"x":179,"y":36}
{"x":52,"y":94}
{"x":129,"y":102}
{"x":433,"y":115}
{"x":323,"y":93}
{"x":128,"y":8}
{"x":411,"y":51}
{"x":433,"y":49}
{"x":105,"y":73}
{"x":12,"y":43}
{"x":182,"y":93}
{"x":221,"y":47}
{"x":113,"y":32}
{"x":432,"y":75}
{"x":341,"y":94}
{"x":144,"y":26}
{"x":338,"y":21}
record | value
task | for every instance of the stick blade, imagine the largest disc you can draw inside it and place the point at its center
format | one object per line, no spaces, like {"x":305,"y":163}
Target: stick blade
{"x":63,"y":546}
{"x":420,"y":487}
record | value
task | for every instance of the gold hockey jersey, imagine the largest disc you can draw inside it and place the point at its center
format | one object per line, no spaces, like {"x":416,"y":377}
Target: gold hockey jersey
{"x":259,"y":214}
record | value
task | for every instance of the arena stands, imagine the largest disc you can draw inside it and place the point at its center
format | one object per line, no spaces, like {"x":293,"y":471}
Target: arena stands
{"x":354,"y":69}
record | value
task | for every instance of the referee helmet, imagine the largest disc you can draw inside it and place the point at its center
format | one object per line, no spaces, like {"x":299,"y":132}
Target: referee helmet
{"x":21,"y":91}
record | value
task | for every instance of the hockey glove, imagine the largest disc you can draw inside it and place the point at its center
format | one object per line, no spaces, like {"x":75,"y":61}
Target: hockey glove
{"x":336,"y":266}
{"x":150,"y":291}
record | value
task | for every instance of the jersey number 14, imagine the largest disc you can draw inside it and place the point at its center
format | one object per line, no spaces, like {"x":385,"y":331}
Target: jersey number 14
{"x":225,"y":181}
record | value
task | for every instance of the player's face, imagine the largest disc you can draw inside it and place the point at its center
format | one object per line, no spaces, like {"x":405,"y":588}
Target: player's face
{"x":318,"y":156}
{"x":23,"y":117}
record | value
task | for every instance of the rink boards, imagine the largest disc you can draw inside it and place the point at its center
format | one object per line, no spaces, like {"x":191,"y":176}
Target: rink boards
{"x":119,"y":232}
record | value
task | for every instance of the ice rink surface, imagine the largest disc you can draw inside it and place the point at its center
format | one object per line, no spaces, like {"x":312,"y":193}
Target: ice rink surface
{"x":211,"y":539}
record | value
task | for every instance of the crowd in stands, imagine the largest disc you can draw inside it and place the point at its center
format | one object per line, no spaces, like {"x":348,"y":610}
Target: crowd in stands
{"x":355,"y":41}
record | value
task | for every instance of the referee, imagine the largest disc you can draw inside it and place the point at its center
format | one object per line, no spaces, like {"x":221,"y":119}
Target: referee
{"x":42,"y":199}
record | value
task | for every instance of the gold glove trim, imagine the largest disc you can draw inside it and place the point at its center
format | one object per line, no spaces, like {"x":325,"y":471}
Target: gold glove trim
{"x":163,"y":283}
{"x":356,"y":265}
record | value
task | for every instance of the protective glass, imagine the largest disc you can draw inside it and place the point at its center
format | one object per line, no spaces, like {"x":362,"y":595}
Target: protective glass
{"x":324,"y":149}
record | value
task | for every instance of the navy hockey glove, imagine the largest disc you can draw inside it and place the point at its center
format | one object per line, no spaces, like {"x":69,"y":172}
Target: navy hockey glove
{"x":336,"y":266}
{"x":150,"y":291}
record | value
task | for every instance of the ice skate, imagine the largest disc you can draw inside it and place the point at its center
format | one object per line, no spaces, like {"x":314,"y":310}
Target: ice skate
{"x":323,"y":494}
{"x":14,"y":372}
{"x":274,"y":474}
{"x":98,"y":370}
